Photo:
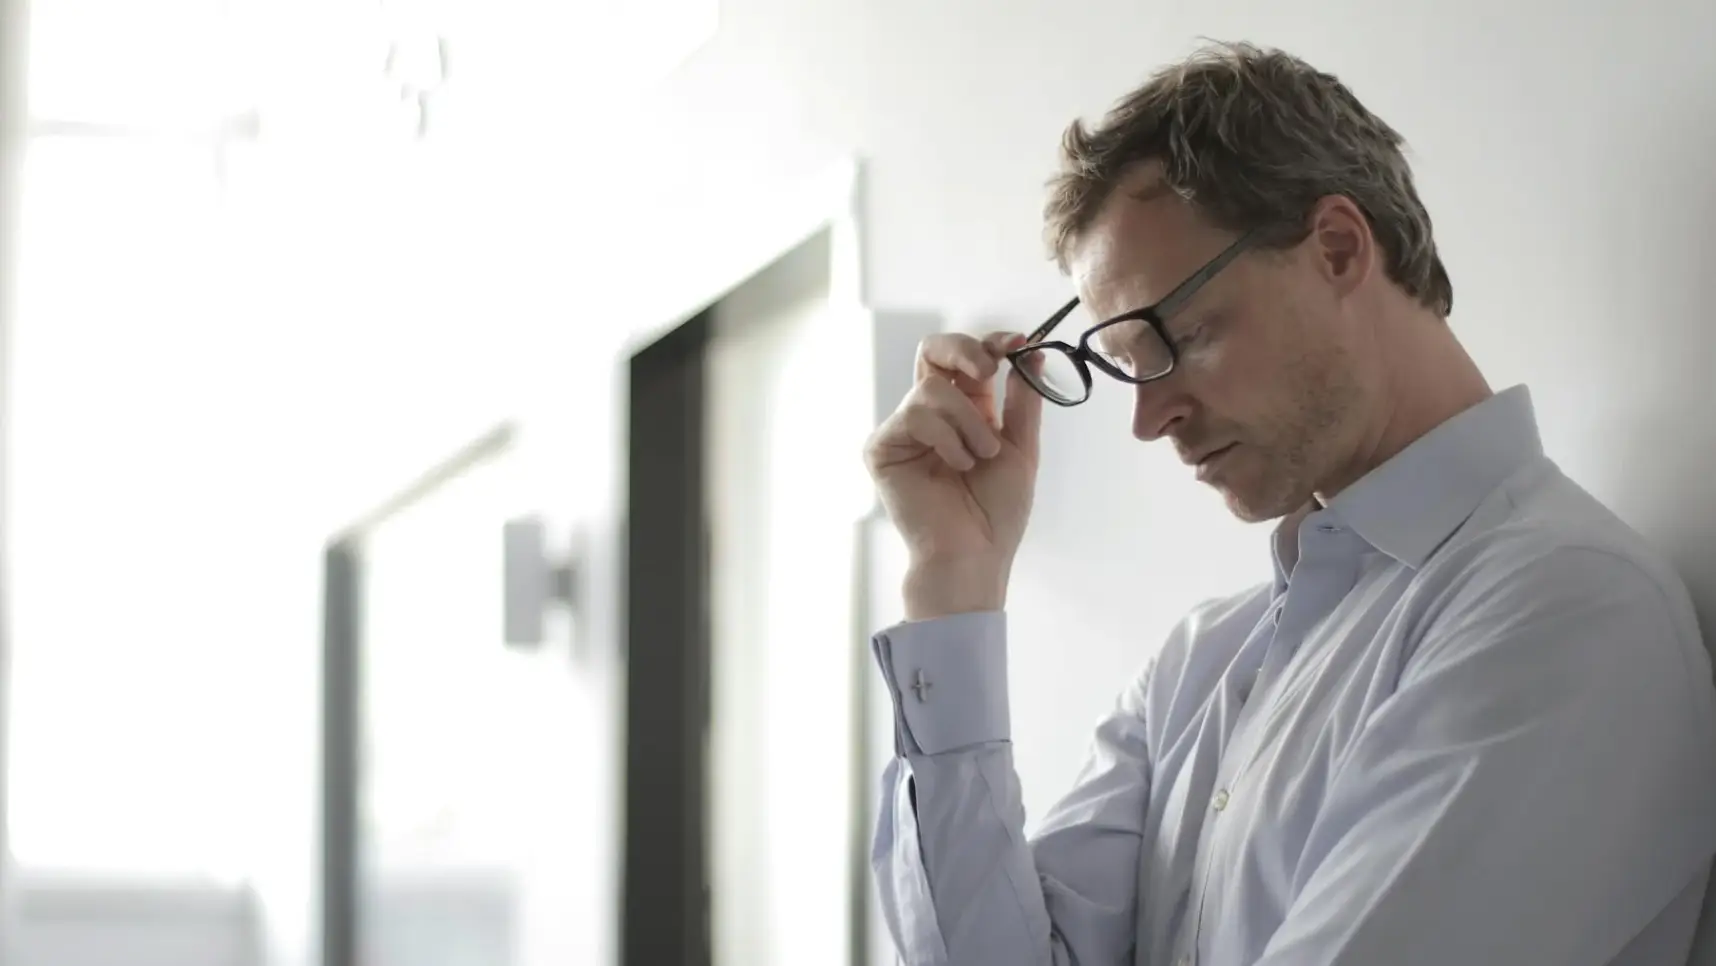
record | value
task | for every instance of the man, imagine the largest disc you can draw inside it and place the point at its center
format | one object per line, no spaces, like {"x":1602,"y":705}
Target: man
{"x":1469,"y":722}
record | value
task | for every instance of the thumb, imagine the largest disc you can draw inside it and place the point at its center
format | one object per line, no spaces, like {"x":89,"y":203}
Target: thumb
{"x":1022,"y":411}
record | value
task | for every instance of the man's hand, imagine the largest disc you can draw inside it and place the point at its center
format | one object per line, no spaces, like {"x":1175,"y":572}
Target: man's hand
{"x":956,"y":476}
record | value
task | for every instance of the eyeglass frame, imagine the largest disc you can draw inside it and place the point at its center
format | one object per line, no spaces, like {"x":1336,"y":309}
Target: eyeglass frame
{"x":1155,"y":314}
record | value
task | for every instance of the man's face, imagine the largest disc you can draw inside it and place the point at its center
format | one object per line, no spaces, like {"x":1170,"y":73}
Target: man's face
{"x":1267,"y":397}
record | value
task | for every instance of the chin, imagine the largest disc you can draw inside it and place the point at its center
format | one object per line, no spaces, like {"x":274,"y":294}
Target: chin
{"x":1260,"y":504}
{"x":1248,"y":513}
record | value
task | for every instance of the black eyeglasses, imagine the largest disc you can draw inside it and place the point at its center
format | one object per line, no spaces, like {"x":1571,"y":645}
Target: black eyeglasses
{"x":1062,"y":371}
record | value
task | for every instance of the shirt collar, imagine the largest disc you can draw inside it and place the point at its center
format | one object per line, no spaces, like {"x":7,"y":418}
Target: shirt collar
{"x":1412,"y":503}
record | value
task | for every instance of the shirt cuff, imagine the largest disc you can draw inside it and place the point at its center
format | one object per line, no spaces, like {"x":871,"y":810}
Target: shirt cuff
{"x":948,"y":681}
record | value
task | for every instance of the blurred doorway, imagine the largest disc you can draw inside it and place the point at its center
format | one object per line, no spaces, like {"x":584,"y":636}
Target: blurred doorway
{"x":457,"y":822}
{"x":745,"y":807}
{"x":452,"y":832}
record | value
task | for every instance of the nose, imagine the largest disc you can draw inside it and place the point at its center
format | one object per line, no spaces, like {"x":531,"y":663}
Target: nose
{"x":1156,"y":407}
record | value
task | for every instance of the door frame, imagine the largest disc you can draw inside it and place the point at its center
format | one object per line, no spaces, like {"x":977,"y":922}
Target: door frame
{"x":663,"y":886}
{"x":830,"y":202}
{"x":340,"y":915}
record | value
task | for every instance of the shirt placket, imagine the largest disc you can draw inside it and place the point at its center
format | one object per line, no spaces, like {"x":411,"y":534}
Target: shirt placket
{"x":1321,"y":578}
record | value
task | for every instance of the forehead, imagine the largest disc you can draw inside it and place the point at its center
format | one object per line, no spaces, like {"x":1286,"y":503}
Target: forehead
{"x":1143,"y":242}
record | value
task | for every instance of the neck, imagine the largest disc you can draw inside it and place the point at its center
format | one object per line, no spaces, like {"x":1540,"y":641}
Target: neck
{"x":1427,"y":379}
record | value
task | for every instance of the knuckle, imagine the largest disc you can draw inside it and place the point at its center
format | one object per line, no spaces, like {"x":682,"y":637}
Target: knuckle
{"x":949,"y":346}
{"x":931,"y":346}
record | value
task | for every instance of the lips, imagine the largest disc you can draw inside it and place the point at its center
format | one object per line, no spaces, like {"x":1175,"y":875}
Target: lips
{"x":1207,"y":454}
{"x":1211,"y":460}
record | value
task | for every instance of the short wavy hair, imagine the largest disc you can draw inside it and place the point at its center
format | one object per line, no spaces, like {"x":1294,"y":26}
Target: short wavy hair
{"x":1252,"y":137}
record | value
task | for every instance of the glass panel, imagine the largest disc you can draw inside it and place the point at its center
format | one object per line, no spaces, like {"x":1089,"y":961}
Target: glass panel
{"x":468,"y":814}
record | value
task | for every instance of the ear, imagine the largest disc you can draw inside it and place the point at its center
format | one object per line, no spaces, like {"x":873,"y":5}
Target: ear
{"x":1341,"y":243}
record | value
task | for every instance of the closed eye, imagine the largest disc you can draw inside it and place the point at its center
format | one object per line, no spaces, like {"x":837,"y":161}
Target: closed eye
{"x":1189,"y":339}
{"x":1194,"y":331}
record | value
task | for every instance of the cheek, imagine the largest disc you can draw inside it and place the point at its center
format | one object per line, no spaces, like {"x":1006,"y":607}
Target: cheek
{"x":1231,"y":373}
{"x":1206,"y":358}
{"x":1248,"y":385}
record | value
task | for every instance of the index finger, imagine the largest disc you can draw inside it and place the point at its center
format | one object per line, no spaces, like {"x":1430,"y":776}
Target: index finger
{"x":946,"y":353}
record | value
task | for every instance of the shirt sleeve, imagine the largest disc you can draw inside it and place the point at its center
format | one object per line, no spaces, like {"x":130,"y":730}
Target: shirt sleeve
{"x":1537,"y":791}
{"x":957,"y":881}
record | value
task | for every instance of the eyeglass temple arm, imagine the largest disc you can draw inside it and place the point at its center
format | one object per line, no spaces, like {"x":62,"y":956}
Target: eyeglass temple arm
{"x":1042,"y":331}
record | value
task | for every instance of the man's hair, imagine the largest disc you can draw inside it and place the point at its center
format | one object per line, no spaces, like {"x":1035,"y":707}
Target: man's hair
{"x":1253,"y":138}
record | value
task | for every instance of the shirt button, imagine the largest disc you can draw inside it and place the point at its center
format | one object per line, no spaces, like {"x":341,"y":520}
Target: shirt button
{"x":1219,"y":802}
{"x":1183,"y":961}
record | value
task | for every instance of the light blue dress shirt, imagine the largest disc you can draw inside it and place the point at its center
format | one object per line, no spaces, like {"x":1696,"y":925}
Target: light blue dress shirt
{"x":1471,"y":722}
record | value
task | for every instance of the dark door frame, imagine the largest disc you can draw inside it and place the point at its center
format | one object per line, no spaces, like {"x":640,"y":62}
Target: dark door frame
{"x":665,"y":901}
{"x":664,"y":892}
